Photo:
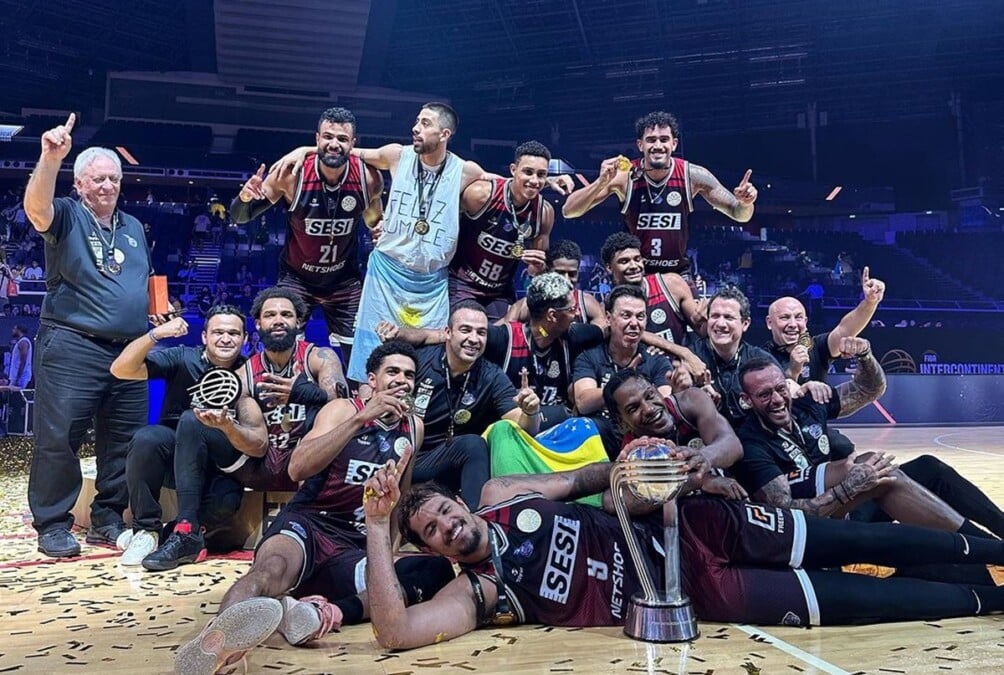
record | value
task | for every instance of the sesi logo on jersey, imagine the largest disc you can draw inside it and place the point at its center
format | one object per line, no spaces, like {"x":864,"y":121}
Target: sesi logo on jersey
{"x":658,"y":221}
{"x":327,"y":227}
{"x":557,"y":578}
{"x":499,"y":247}
{"x":358,"y":472}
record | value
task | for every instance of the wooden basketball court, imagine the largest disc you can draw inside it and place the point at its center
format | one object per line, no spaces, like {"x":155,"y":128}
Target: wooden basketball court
{"x":90,"y":615}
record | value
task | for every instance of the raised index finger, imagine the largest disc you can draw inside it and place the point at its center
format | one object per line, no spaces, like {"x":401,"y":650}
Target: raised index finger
{"x":261,"y":171}
{"x":70,"y":121}
{"x":746,"y":178}
{"x":864,"y":275}
{"x":523,"y":379}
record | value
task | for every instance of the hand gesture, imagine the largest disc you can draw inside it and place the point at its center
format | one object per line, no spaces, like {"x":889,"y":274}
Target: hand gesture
{"x":869,"y":472}
{"x":215,"y":418}
{"x":562,"y":184}
{"x":873,"y":289}
{"x":745,"y":192}
{"x":386,"y":404}
{"x":56,"y":142}
{"x":536,"y":261}
{"x":853,"y":346}
{"x":254,"y":187}
{"x":819,"y":391}
{"x":274,"y":389}
{"x":526,"y":398}
{"x":383,"y":489}
{"x":387,"y":331}
{"x":174,"y":328}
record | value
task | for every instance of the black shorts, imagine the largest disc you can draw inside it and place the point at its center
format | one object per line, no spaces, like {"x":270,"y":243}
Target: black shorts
{"x":496,"y":303}
{"x":737,"y":561}
{"x":334,"y":560}
{"x":340,"y":304}
{"x":808,"y":483}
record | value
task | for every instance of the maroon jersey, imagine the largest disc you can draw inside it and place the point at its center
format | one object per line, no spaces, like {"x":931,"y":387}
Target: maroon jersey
{"x":664,"y":316}
{"x":548,"y":373}
{"x":658,"y":214}
{"x":566,"y":564}
{"x":484,"y":257}
{"x":579,"y":302}
{"x":321,"y":243}
{"x":286,"y":424}
{"x":337,"y":491}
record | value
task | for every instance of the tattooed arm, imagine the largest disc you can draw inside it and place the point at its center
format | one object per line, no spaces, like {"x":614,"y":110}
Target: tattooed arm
{"x":869,"y":380}
{"x":559,"y":486}
{"x":327,"y":370}
{"x":861,"y":478}
{"x":705,"y":184}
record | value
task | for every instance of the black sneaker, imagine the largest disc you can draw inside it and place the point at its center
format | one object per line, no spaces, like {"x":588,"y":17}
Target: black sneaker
{"x":105,"y":535}
{"x":179,"y":549}
{"x":58,"y":543}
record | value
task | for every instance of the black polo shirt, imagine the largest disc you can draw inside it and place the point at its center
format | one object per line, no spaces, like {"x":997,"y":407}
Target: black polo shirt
{"x":549,"y":372}
{"x":82,"y":297}
{"x":596,"y":363}
{"x":819,"y":358}
{"x":180,"y":367}
{"x":725,"y":376}
{"x":484,"y":391}
{"x":768,"y":453}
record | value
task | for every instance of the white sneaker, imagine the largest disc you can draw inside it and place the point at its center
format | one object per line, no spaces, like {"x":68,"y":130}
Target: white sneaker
{"x":307,"y":619}
{"x":141,"y":545}
{"x":123,"y":540}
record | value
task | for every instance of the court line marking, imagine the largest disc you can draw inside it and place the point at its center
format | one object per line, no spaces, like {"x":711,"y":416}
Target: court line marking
{"x":937,"y":440}
{"x":792,"y":650}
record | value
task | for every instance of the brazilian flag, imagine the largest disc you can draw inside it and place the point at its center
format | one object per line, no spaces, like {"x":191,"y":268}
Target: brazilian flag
{"x":573,"y":443}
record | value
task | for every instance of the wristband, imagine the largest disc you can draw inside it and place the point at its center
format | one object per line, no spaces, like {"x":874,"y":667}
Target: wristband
{"x":153,"y":338}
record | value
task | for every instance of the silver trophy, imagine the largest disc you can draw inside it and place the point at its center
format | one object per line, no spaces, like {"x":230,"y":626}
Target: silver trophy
{"x":217,"y":388}
{"x":652,"y":477}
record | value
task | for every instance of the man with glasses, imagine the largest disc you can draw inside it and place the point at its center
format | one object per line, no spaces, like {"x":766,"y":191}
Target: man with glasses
{"x":98,"y":265}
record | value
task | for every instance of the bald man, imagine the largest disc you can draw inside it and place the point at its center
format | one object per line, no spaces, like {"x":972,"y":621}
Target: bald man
{"x":787,"y":322}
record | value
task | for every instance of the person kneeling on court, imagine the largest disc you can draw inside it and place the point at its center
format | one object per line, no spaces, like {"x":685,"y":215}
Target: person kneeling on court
{"x":315,"y":548}
{"x":521,"y":558}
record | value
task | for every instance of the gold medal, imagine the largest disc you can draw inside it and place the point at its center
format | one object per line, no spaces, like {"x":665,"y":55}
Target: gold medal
{"x":462,"y":416}
{"x":623,"y":163}
{"x":422,"y":226}
{"x":805,"y":340}
{"x":287,"y":422}
{"x":518,"y":250}
{"x":409,"y":403}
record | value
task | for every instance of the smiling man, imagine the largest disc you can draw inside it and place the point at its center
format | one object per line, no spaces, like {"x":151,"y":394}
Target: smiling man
{"x":315,"y":549}
{"x":502,"y":221}
{"x":282,"y":388}
{"x":626,"y":315}
{"x":320,"y":258}
{"x":96,"y":302}
{"x":150,"y":462}
{"x":459,"y":394}
{"x":656,"y":192}
{"x":724,"y":351}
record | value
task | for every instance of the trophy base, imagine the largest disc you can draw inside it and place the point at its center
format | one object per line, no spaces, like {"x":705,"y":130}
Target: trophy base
{"x":660,"y":620}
